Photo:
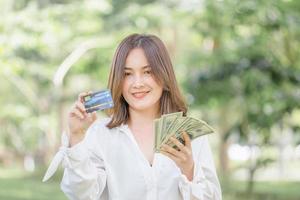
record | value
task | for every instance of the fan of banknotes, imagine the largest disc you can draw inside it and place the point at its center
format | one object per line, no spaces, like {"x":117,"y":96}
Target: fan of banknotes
{"x":174,"y":124}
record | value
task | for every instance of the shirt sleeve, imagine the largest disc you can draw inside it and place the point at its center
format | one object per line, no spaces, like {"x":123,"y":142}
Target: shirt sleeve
{"x":205,"y":184}
{"x":84,"y":170}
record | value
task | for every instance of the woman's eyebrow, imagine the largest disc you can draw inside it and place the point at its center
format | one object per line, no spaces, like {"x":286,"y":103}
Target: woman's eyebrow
{"x":147,"y":66}
{"x":144,"y":67}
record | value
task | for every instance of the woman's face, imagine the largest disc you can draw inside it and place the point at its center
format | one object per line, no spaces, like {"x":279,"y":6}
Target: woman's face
{"x":140,"y":89}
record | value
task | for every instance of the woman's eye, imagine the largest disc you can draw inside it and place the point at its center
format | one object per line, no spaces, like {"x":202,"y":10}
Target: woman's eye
{"x":147,"y":72}
{"x":127,"y":73}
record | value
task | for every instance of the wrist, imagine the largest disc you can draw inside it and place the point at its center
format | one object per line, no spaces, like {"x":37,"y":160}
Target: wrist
{"x":75,"y":139}
{"x":189,"y":172}
{"x":75,"y":136}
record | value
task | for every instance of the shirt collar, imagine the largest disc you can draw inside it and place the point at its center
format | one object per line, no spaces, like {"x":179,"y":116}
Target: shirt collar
{"x":123,"y":128}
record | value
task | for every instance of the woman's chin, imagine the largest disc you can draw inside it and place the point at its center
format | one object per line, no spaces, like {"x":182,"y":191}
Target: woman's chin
{"x":142,"y":107}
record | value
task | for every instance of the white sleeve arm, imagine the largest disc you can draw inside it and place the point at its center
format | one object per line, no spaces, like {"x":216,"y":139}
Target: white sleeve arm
{"x":205,"y":184}
{"x":84,"y":175}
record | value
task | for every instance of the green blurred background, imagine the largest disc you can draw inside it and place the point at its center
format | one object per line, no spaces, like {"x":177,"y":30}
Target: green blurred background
{"x":237,"y":62}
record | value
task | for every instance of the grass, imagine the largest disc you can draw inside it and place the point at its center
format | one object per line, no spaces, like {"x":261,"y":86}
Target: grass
{"x":17,"y":185}
{"x":26,"y":188}
{"x":235,"y":190}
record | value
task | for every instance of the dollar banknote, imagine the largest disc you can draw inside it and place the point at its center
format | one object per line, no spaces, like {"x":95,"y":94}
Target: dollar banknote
{"x":174,"y":124}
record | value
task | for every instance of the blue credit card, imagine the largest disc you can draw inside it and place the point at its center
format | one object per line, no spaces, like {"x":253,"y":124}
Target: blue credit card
{"x":98,"y":101}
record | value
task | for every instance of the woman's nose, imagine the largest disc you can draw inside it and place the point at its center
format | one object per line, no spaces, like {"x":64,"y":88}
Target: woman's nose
{"x":138,"y":81}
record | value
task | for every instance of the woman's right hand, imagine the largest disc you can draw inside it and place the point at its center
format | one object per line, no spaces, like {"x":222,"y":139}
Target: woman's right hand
{"x":79,"y":120}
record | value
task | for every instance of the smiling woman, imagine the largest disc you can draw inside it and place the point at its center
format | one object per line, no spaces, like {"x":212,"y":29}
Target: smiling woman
{"x":143,"y":58}
{"x":115,"y":157}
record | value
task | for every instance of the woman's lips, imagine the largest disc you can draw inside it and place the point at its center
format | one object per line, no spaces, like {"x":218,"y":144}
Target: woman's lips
{"x":140,"y":95}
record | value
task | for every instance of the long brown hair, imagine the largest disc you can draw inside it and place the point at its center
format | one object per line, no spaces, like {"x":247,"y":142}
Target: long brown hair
{"x":163,"y":72}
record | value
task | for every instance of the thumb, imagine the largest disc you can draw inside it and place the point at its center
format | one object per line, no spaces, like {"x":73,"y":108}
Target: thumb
{"x":94,"y":115}
{"x":187,"y":139}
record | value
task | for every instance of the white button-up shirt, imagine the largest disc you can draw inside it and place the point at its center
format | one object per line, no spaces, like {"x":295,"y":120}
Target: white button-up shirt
{"x":108,"y":164}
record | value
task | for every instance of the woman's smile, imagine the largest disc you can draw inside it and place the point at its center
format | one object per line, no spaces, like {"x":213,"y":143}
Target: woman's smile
{"x":140,"y":94}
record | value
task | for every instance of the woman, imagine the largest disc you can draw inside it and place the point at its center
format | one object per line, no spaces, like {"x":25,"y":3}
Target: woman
{"x":114,"y":157}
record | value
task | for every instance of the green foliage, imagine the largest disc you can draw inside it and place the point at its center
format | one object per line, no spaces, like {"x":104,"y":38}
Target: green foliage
{"x":253,"y":59}
{"x":237,"y":62}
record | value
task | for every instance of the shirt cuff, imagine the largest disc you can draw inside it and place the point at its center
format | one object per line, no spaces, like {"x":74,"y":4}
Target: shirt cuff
{"x":69,"y":157}
{"x":76,"y":155}
{"x":191,"y":188}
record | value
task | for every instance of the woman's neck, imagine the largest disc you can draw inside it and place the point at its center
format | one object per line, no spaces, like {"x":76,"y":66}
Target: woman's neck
{"x":141,"y":118}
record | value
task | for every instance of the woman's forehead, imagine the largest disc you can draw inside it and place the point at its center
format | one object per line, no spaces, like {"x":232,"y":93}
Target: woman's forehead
{"x":136,"y":59}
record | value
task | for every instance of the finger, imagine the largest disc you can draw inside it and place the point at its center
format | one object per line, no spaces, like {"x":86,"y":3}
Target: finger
{"x":81,"y":107}
{"x":82,"y":95}
{"x":177,"y":143}
{"x":78,"y":107}
{"x":184,"y":149}
{"x":187,"y":139}
{"x":77,"y":113}
{"x":94,"y":115}
{"x":172,"y":151}
{"x":174,"y":158}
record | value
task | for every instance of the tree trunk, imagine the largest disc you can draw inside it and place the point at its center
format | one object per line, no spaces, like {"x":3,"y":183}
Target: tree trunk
{"x":224,"y":144}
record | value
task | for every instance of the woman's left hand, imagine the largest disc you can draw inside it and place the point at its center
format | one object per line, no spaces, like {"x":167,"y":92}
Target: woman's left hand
{"x":183,"y":157}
